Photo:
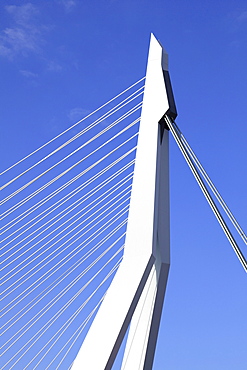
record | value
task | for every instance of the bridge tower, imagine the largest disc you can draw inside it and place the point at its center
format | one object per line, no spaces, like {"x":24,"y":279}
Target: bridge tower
{"x":135,"y":296}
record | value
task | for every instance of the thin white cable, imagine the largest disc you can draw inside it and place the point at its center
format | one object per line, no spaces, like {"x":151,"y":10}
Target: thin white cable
{"x":212,"y":186}
{"x":104,"y":205}
{"x":131,"y":111}
{"x":62,"y":309}
{"x":54,"y":251}
{"x":77,"y":333}
{"x":64,"y":229}
{"x":86,"y":196}
{"x":67,"y":196}
{"x":11,"y":209}
{"x":83,"y":246}
{"x":125,"y":155}
{"x":62,"y":329}
{"x":82,"y":327}
{"x":127,"y":114}
{"x":50,"y":304}
{"x":207,"y":195}
{"x":55,"y":317}
{"x":59,"y":279}
{"x":91,"y":215}
{"x":44,"y":260}
{"x":72,"y":317}
{"x":92,"y":125}
{"x":61,"y":225}
{"x":83,"y":119}
{"x":64,"y":274}
{"x":71,"y":206}
{"x":43,"y":265}
{"x":54,"y":230}
{"x":79,"y":202}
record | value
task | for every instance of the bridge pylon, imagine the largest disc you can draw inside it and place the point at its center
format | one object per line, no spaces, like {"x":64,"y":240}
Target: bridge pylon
{"x":136,"y":294}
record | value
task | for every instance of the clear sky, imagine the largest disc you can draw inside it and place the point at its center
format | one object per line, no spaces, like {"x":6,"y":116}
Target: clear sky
{"x":61,"y":59}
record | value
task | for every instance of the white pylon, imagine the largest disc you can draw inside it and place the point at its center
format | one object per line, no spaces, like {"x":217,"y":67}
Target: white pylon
{"x":136,"y":293}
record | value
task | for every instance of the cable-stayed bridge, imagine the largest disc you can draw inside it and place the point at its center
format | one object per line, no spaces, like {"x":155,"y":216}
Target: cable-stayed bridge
{"x":68,"y":210}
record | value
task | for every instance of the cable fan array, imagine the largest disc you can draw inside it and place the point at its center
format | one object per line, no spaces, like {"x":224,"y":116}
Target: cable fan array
{"x":65,"y":210}
{"x":209,"y":189}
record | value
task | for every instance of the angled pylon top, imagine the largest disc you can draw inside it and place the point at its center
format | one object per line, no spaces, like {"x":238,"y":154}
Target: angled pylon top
{"x":156,"y":50}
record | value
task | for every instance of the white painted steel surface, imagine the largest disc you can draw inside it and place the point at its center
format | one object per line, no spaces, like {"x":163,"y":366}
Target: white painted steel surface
{"x":142,"y":336}
{"x":112,"y":320}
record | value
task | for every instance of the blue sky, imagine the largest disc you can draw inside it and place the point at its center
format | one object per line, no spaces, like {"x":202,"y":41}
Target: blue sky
{"x":61,"y":59}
